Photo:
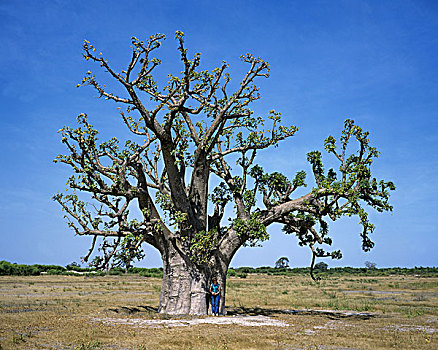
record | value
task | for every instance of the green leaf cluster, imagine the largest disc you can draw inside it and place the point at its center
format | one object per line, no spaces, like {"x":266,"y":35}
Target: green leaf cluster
{"x":202,"y":245}
{"x":252,"y":229}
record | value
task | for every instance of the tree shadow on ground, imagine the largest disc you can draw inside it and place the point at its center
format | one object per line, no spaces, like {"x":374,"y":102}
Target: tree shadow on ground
{"x":129,"y":310}
{"x":331,"y":314}
{"x":246,"y":311}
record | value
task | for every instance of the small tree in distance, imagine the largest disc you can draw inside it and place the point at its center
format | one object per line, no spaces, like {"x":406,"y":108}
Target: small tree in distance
{"x":195,"y":127}
{"x":73,"y":265}
{"x":321,"y":266}
{"x":282,"y":262}
{"x":370,"y":265}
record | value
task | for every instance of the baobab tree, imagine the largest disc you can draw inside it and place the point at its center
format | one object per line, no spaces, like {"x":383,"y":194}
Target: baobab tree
{"x":282,"y":263}
{"x":184,"y":134}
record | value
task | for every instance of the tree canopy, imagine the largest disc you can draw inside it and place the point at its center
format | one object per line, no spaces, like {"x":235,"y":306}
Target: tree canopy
{"x":282,"y":262}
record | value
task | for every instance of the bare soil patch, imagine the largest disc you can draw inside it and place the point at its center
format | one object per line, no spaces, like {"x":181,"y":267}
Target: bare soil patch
{"x":247,"y":321}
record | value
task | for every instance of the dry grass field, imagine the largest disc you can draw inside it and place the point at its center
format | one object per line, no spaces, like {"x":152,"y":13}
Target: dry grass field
{"x":264,"y":312}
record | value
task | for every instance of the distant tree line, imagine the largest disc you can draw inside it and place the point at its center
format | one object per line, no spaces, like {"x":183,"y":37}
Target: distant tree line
{"x":12,"y":269}
{"x":323,"y":270}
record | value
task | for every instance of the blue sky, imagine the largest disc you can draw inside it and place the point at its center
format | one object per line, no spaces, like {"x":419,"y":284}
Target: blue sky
{"x":372,"y":61}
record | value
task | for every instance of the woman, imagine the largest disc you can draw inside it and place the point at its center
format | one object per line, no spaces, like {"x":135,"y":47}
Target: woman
{"x":215,"y":291}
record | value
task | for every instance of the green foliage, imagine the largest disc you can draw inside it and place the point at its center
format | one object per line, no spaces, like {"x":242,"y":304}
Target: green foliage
{"x":130,"y":250}
{"x":221,"y":195}
{"x":231,"y":273}
{"x":370,"y":265}
{"x":275,"y":187}
{"x":74,"y":266}
{"x":321,"y":266}
{"x":176,"y":218}
{"x":6,"y":268}
{"x":152,"y":272}
{"x":282,"y":262}
{"x":314,"y":158}
{"x":342,"y":271}
{"x":201,"y":246}
{"x":251,"y":229}
{"x":299,"y":179}
{"x":347,"y":192}
{"x":188,"y":128}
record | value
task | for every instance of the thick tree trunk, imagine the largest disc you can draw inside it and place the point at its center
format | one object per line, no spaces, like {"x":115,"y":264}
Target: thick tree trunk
{"x":185,"y":287}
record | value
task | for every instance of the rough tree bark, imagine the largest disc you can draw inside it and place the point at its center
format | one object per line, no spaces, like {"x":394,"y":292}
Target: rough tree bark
{"x":185,"y":286}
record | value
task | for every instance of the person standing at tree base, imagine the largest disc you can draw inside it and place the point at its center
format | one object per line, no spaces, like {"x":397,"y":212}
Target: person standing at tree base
{"x":215,"y":290}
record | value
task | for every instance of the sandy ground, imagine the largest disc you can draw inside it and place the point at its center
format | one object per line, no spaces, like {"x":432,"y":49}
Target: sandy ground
{"x":258,"y":321}
{"x":240,"y":320}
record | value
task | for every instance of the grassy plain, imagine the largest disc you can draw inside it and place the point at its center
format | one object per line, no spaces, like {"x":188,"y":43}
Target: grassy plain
{"x":117,"y":312}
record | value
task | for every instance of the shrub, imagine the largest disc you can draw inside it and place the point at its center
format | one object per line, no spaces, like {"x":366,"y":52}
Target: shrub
{"x":321,"y":266}
{"x":231,"y":273}
{"x":147,"y":273}
{"x":245,"y":269}
{"x":370,"y":265}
